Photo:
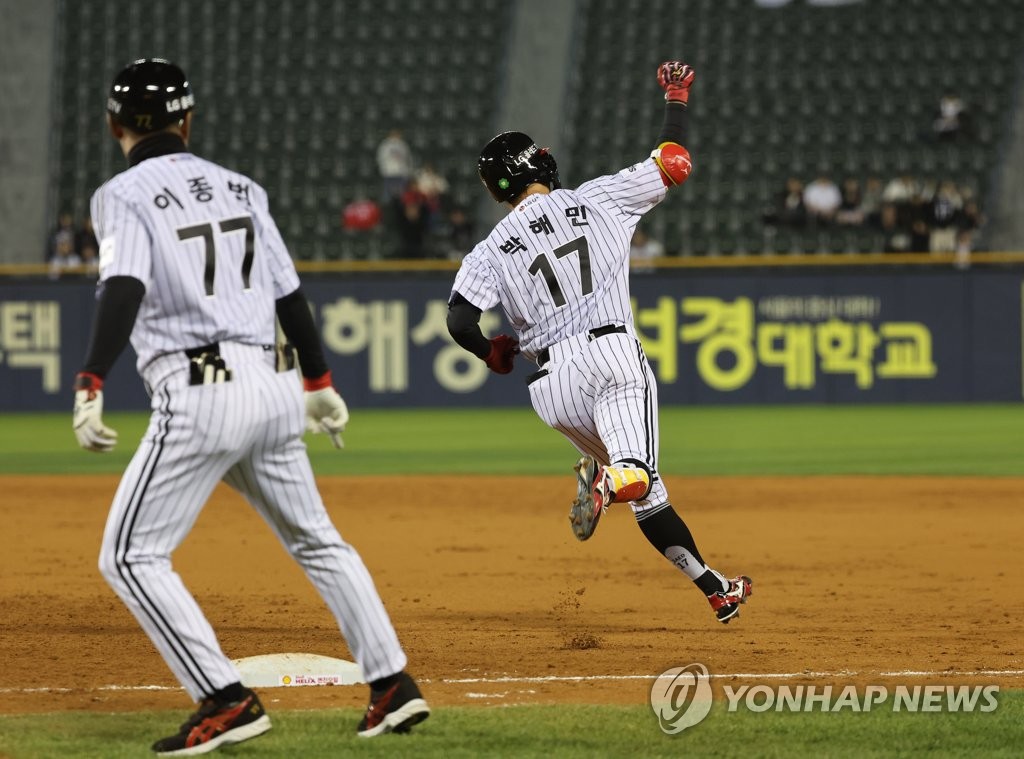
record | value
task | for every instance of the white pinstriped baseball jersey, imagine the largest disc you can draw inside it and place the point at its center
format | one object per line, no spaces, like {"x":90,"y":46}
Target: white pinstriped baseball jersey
{"x":559,"y":266}
{"x":559,"y":263}
{"x":202,"y":241}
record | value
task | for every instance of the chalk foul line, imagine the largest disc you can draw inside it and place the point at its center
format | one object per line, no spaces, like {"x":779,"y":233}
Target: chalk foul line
{"x":499,"y":679}
{"x":738,"y":676}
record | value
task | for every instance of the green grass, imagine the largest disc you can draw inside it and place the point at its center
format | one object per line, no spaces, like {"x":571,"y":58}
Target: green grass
{"x":944,"y":440}
{"x":723,"y":440}
{"x":545,"y":732}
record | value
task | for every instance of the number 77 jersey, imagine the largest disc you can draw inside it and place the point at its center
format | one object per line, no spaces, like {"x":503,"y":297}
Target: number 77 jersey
{"x":202,"y":241}
{"x":559,"y":262}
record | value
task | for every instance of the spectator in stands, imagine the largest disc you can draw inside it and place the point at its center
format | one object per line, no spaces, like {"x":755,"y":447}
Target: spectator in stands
{"x":642,"y":249}
{"x":788,"y":209}
{"x":394,"y":162}
{"x":822,"y":199}
{"x":64,"y":257}
{"x":412,"y":218}
{"x":457,"y":233}
{"x":894,"y":237}
{"x":969,"y":221}
{"x":90,"y":261}
{"x":952,"y":122}
{"x":851,"y":211}
{"x":919,"y":217}
{"x":62,"y":238}
{"x":361,"y":215}
{"x":86,"y":245}
{"x":435,"y":189}
{"x":946,"y":204}
{"x":871,"y":201}
{"x":899,"y":191}
{"x":970,"y":218}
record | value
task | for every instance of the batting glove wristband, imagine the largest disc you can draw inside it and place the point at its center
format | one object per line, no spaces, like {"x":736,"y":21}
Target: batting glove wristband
{"x":326,"y":411}
{"x":675,"y":77}
{"x":87,"y":422}
{"x":502,"y":355}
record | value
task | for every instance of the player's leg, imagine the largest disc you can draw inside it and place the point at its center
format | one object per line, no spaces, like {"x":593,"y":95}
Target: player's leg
{"x":283,"y":490}
{"x":157,"y":502}
{"x":564,"y":400}
{"x":278,"y":481}
{"x":626,"y":413}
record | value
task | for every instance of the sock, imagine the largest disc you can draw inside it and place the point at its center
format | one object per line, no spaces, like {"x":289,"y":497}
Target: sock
{"x":229,"y":694}
{"x":385,"y":682}
{"x":711,"y":582}
{"x":666,"y":531}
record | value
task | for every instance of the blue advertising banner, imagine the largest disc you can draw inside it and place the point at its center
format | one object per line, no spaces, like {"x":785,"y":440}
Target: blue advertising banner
{"x":837,"y":336}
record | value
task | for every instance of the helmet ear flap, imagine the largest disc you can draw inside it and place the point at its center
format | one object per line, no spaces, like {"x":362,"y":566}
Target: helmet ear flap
{"x":548,"y":167}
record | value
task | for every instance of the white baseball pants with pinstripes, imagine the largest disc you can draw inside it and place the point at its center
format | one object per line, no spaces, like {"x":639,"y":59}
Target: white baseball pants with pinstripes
{"x":601,"y":394}
{"x":247,"y":432}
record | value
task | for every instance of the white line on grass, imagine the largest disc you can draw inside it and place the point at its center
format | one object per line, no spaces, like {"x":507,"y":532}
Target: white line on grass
{"x":600,"y":678}
{"x":741,"y":676}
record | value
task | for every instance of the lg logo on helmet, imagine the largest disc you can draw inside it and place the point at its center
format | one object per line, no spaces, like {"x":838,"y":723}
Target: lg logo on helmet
{"x":525,"y":156}
{"x":681,"y":697}
{"x":180,"y":104}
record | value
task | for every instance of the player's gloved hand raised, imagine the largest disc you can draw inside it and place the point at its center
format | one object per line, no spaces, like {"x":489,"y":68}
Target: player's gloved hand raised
{"x":503,"y":354}
{"x":326,"y":411}
{"x":92,"y":434}
{"x":675,"y":77}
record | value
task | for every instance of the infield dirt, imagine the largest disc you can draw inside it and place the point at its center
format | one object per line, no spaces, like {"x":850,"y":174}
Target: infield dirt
{"x":857,"y":580}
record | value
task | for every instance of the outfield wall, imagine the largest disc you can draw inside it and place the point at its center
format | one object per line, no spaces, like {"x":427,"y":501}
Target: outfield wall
{"x":835,"y":335}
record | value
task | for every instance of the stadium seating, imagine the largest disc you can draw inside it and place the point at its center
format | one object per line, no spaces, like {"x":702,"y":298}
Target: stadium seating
{"x":309,"y":89}
{"x":299,"y":94}
{"x":790,"y":91}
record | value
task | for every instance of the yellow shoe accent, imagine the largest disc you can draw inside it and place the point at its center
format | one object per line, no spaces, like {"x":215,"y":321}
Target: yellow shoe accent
{"x":627,"y":483}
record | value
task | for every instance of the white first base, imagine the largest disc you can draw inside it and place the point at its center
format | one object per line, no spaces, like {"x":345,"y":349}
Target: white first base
{"x":290,"y":670}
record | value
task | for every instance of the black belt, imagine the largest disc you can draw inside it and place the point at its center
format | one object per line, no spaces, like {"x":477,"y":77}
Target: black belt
{"x":609,"y":329}
{"x":536,"y":376}
{"x":207,"y":367}
{"x":214,"y":349}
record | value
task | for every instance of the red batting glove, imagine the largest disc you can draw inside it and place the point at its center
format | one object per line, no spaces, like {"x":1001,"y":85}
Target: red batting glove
{"x":675,"y":77}
{"x":502,"y":355}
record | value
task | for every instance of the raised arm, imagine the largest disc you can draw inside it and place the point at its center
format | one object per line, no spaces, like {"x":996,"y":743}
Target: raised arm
{"x":672,"y":158}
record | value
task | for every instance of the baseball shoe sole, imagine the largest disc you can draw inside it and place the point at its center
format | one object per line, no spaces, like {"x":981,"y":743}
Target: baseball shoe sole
{"x":586,"y":510}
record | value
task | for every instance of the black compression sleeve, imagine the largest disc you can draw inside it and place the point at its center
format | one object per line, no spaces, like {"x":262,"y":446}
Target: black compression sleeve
{"x":464,"y":326}
{"x":297,"y":325}
{"x":119,"y":301}
{"x":673,"y":128}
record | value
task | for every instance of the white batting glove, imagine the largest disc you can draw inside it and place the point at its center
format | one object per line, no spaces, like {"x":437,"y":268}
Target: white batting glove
{"x":92,"y":434}
{"x":325,"y":410}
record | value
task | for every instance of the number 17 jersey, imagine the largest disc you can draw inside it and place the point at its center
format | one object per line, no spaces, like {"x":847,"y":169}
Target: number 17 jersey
{"x":202,"y":241}
{"x":559,"y":262}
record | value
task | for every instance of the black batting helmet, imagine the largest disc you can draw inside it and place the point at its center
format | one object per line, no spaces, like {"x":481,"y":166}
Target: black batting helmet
{"x":149,"y":94}
{"x":510,"y":162}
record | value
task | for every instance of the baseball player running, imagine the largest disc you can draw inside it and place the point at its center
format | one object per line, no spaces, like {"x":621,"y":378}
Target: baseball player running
{"x":559,"y":266}
{"x":193,"y":271}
